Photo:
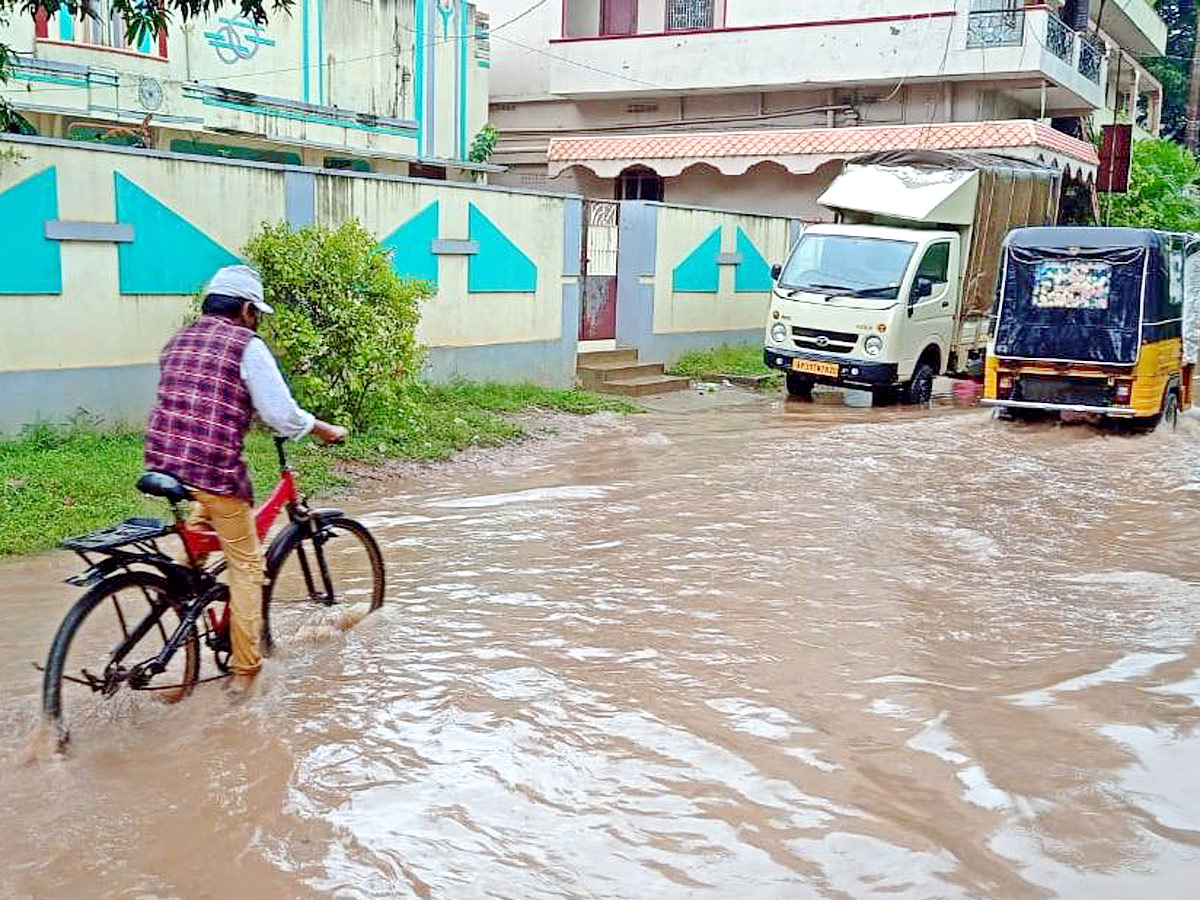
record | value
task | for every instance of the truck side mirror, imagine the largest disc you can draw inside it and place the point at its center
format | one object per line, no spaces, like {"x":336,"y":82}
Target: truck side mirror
{"x":922,"y":288}
{"x":776,"y":271}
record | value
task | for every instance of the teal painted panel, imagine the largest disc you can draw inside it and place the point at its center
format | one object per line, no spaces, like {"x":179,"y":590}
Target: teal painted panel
{"x":412,"y":245}
{"x":30,"y":264}
{"x":168,"y":254}
{"x":753,"y":274}
{"x":699,"y":273}
{"x":66,"y":23}
{"x":500,"y":267}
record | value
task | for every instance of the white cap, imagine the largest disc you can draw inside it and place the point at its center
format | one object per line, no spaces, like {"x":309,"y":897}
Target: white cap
{"x":241,"y":282}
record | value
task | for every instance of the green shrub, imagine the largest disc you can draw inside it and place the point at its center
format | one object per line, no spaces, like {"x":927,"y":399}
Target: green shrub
{"x":1162,"y":190}
{"x":344,"y":326}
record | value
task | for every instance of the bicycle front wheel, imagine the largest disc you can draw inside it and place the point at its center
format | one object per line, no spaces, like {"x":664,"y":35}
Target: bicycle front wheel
{"x":324,"y":583}
{"x":103,"y":645}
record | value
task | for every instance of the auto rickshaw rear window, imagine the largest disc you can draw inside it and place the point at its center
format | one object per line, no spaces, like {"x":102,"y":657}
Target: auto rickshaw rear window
{"x":1072,"y":284}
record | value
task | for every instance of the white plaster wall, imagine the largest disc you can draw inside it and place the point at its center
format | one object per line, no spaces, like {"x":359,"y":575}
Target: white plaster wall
{"x":92,"y":324}
{"x":774,"y":12}
{"x":680,"y":231}
{"x":766,"y":188}
{"x":456,"y":318}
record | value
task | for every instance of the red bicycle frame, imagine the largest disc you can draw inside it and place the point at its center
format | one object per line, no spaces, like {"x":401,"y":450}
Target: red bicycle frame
{"x":202,"y":541}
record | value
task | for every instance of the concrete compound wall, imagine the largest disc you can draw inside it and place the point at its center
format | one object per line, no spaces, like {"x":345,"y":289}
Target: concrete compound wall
{"x":691,"y":278}
{"x":104,"y":249}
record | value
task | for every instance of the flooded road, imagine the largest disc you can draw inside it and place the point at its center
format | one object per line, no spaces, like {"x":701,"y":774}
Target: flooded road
{"x":734,"y":648}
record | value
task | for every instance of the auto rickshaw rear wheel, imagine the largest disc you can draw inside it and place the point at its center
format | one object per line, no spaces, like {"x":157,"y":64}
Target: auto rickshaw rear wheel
{"x":1170,"y":413}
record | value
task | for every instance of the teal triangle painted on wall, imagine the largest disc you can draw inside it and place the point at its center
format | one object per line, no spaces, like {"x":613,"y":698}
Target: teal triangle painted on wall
{"x":753,"y":275}
{"x":412,"y":245}
{"x":699,"y":273}
{"x":500,"y":266}
{"x":29,"y":263}
{"x":168,"y":254}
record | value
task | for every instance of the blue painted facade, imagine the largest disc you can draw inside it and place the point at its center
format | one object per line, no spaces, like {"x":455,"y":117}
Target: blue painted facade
{"x":30,"y":263}
{"x":412,"y":245}
{"x":700,"y":273}
{"x":168,"y":255}
{"x":500,"y":267}
{"x":753,"y":275}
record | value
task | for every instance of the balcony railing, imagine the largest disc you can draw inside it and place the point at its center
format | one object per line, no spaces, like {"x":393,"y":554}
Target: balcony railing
{"x":1060,"y":40}
{"x":1090,"y":58}
{"x":999,"y":27}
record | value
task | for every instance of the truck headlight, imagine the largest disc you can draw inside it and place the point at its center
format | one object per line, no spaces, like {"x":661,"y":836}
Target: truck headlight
{"x":779,"y":332}
{"x":873,"y":345}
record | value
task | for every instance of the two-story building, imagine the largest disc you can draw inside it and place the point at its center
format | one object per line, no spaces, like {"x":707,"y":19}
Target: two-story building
{"x":392,"y":86}
{"x":755,"y":104}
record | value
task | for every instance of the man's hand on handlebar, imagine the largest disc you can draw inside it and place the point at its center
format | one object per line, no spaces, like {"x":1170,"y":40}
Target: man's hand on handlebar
{"x":329,"y":434}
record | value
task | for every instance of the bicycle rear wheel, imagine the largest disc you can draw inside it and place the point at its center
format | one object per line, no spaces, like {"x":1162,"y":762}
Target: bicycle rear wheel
{"x":129,"y":614}
{"x":323,"y":583}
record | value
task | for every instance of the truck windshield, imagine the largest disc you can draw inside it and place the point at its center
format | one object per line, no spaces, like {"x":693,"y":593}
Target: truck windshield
{"x":848,"y":264}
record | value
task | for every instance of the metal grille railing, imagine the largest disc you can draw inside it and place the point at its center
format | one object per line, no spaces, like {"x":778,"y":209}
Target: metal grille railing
{"x":689,"y":15}
{"x":996,"y":27}
{"x":1090,"y":57}
{"x":1060,"y":40}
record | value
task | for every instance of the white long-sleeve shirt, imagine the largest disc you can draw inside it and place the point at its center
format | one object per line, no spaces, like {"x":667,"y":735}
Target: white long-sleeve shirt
{"x":272,"y":399}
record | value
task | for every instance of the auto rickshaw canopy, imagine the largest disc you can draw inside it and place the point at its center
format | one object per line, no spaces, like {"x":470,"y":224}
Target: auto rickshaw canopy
{"x":1088,"y":294}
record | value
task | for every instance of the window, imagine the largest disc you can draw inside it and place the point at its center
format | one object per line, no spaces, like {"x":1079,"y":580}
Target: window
{"x":1072,"y":284}
{"x":690,"y":15}
{"x":935,"y":264}
{"x":841,"y":264}
{"x":421,"y":170}
{"x":639,"y":183}
{"x":105,"y":29}
{"x":618,"y":17}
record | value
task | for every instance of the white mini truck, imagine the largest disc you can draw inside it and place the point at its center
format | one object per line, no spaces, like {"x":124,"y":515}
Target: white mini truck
{"x":900,"y":289}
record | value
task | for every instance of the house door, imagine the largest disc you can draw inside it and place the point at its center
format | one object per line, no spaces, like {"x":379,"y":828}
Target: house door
{"x":598,"y":309}
{"x":618,"y":16}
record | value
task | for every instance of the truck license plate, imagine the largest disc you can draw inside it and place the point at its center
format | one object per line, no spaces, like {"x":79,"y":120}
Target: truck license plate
{"x":812,"y":367}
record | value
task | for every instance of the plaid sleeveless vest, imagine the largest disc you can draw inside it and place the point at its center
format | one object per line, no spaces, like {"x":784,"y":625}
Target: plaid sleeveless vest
{"x":203,"y":410}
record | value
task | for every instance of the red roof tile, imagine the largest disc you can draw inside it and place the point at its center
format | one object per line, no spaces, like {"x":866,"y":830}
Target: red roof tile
{"x":823,"y":142}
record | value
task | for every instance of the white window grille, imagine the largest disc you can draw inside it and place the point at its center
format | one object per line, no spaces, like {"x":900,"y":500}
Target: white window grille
{"x":689,"y":15}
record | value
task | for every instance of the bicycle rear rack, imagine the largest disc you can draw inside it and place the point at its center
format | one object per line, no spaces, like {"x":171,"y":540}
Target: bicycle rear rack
{"x":131,"y":531}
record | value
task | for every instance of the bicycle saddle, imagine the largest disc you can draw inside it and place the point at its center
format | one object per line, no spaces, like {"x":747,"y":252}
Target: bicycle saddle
{"x":160,"y":484}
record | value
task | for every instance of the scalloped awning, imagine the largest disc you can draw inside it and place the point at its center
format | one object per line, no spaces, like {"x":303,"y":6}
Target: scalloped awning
{"x":804,"y":150}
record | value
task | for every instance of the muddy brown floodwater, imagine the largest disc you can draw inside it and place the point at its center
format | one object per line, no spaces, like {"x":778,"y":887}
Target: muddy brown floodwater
{"x":733,"y":648}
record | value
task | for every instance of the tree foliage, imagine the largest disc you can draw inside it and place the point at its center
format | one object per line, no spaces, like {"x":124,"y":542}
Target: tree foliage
{"x":1173,"y":70}
{"x":344,"y":325}
{"x":1163,"y":192}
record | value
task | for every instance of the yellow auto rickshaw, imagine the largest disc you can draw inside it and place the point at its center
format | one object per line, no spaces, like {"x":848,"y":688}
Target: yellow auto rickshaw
{"x":1095,"y":321}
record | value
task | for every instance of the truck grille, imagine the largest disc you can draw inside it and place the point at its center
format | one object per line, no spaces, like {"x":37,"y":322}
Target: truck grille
{"x":1068,"y":391}
{"x":824,"y":341}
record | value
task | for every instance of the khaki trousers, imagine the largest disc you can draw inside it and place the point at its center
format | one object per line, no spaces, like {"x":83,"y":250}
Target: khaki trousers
{"x":233,"y":521}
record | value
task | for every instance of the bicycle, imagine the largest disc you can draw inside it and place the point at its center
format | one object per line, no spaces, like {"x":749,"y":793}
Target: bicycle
{"x":125,"y":565}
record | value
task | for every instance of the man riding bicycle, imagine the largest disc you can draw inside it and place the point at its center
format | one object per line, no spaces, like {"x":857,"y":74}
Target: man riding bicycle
{"x":215,"y":376}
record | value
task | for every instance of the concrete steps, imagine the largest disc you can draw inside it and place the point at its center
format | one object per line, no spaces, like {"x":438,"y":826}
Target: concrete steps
{"x":620,"y":372}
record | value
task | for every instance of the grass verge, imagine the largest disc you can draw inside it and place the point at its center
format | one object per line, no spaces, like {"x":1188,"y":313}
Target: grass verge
{"x":728,"y":359}
{"x":60,"y":481}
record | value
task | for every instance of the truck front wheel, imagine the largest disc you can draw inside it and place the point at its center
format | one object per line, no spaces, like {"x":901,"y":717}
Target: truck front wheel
{"x":799,"y":385}
{"x":920,"y":388}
